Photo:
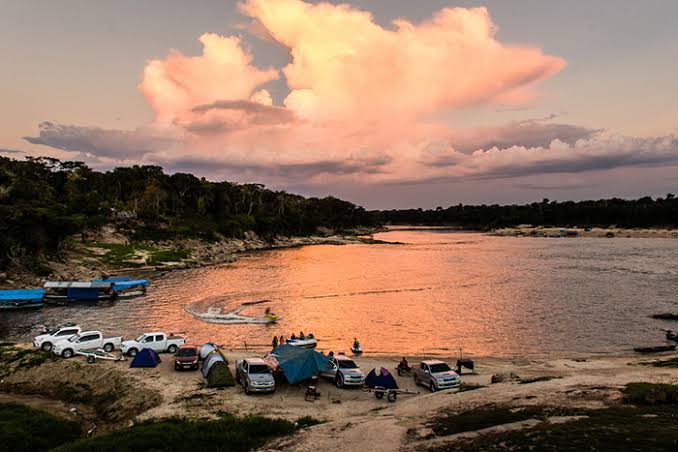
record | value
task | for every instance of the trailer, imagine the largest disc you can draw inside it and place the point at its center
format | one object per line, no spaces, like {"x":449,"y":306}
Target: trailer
{"x":391,"y":394}
{"x":99,"y":353}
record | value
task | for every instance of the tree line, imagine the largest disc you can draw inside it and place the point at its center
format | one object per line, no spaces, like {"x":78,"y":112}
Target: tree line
{"x":639,"y":213}
{"x":44,"y":200}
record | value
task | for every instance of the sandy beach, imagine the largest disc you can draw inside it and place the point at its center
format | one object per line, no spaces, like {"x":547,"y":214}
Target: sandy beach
{"x":351,"y":417}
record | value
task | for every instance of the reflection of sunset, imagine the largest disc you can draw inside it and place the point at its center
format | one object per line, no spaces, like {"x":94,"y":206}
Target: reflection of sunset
{"x":440,"y":292}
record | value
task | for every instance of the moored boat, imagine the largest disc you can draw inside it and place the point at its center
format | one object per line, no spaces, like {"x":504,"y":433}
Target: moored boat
{"x":307,"y":342}
{"x":125,"y":287}
{"x":69,"y":291}
{"x":21,"y":299}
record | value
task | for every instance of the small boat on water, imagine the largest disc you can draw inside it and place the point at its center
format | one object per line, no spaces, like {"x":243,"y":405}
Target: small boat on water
{"x":356,"y":350}
{"x":69,"y":291}
{"x":215,"y":315}
{"x":21,"y":299}
{"x":306,"y":342}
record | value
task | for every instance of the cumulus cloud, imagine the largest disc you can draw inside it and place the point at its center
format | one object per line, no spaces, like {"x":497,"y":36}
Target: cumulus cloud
{"x":345,"y":64}
{"x":223,"y":71}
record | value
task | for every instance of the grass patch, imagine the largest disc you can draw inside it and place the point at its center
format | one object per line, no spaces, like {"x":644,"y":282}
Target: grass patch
{"x":614,"y":429}
{"x":526,"y":381}
{"x":450,"y":423}
{"x":162,"y":256}
{"x":228,"y":433}
{"x":13,"y":358}
{"x":25,"y":429}
{"x":651,"y":394}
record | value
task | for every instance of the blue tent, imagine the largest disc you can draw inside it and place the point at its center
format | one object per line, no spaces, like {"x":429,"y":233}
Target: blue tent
{"x":299,"y":364}
{"x":146,"y":358}
{"x":383,"y":379}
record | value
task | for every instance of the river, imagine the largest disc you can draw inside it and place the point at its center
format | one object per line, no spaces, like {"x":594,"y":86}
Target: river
{"x":434,"y":294}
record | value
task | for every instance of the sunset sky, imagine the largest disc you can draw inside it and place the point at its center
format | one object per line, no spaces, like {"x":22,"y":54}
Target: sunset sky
{"x":386,"y":103}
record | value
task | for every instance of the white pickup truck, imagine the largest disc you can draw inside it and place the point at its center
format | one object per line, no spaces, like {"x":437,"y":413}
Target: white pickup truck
{"x":49,"y":337}
{"x":85,"y":340}
{"x":345,"y":372}
{"x":158,"y":341}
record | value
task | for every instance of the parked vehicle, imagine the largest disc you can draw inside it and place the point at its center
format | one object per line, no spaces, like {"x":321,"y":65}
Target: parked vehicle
{"x":158,"y":341}
{"x":186,"y":357}
{"x":46,"y":340}
{"x":436,"y":375}
{"x":86,"y":340}
{"x":254,"y":375}
{"x":345,"y":372}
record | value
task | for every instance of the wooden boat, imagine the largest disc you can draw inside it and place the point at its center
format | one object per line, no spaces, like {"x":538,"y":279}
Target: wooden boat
{"x":655,"y":349}
{"x":125,"y":287}
{"x":21,"y":299}
{"x":69,"y":291}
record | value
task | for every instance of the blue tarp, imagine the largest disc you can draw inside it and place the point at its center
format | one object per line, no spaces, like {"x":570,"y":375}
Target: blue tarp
{"x":22,"y":295}
{"x":112,"y":279}
{"x":146,"y":358}
{"x":383,"y":379}
{"x":299,"y":364}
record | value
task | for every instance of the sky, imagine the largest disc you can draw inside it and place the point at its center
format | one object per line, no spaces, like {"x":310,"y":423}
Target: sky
{"x":386,"y":103}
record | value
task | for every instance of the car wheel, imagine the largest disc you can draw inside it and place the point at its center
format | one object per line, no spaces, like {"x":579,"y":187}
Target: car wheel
{"x":172,"y":349}
{"x":379,"y":394}
{"x":392,"y":396}
{"x":46,"y":347}
{"x":91,"y":359}
{"x":432,"y":387}
{"x":68,"y":353}
{"x":132,"y":352}
{"x":339,"y":382}
{"x":108,"y":348}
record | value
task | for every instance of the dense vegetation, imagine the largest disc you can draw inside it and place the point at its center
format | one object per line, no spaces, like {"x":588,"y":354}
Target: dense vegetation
{"x":640,"y":213}
{"x":25,"y":429}
{"x":228,"y":433}
{"x":44,"y":200}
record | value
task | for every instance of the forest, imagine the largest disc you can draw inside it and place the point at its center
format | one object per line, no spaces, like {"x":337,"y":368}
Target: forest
{"x":640,"y":213}
{"x":44,"y":200}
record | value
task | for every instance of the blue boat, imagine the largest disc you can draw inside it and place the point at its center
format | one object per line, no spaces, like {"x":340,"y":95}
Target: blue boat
{"x":126,"y":287}
{"x":22,"y":299}
{"x":63,"y":291}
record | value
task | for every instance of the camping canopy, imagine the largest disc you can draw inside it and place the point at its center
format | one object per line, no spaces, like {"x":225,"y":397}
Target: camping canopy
{"x":299,"y":364}
{"x":146,"y":358}
{"x":383,"y":378}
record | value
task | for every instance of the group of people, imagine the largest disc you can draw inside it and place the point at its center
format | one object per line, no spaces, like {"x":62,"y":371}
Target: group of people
{"x":279,"y":341}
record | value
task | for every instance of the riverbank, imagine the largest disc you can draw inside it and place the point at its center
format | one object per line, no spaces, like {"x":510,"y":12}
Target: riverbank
{"x":351,"y":417}
{"x":610,"y":232}
{"x":106,"y":252}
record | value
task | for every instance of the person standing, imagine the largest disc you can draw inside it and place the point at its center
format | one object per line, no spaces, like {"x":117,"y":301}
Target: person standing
{"x":275,"y":342}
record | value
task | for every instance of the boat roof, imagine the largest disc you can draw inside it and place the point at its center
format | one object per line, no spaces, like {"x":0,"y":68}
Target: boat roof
{"x":112,"y":279}
{"x":130,"y":283}
{"x":22,"y":294}
{"x":77,"y":285}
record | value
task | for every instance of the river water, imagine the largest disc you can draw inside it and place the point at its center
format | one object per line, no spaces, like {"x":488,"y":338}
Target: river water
{"x":435,"y":293}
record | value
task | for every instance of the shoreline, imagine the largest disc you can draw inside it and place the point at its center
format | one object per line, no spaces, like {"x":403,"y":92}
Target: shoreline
{"x":575,"y":232}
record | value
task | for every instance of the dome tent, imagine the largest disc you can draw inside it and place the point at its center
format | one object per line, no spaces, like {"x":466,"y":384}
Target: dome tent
{"x":220,"y":375}
{"x":383,"y":379}
{"x":146,"y":358}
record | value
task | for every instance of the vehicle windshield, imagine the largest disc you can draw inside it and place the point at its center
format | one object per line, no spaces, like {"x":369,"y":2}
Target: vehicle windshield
{"x":347,"y":364}
{"x":259,"y":369}
{"x":187,"y":352}
{"x":437,"y":368}
{"x":140,"y":338}
{"x":74,"y":338}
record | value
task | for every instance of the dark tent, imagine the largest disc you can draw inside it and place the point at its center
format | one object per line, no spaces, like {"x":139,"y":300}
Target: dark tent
{"x":299,"y":364}
{"x":220,"y":376}
{"x":212,"y":358}
{"x":146,"y":358}
{"x":383,"y":379}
